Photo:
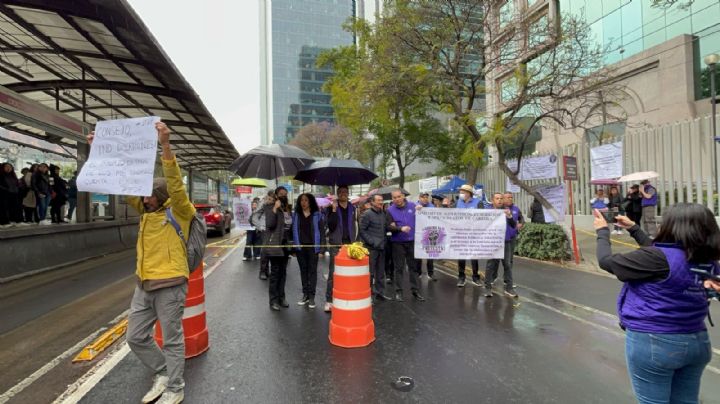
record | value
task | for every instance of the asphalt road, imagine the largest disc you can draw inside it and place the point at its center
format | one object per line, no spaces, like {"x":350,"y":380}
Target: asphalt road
{"x":558,"y":343}
{"x":43,"y":316}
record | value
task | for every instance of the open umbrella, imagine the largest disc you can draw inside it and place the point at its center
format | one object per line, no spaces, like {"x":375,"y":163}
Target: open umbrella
{"x":323,"y":202}
{"x":271,"y":161}
{"x":386,"y":192}
{"x":249,"y":182}
{"x":639,"y":176}
{"x":604,"y":182}
{"x":334,"y":171}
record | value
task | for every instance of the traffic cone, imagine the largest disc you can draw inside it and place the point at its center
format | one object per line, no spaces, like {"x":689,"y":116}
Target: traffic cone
{"x":351,"y":324}
{"x":194,"y":321}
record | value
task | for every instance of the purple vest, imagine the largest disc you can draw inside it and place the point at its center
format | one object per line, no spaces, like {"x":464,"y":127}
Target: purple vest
{"x":675,"y":305}
{"x":404,"y":216}
{"x":652,"y":201}
{"x":510,"y":232}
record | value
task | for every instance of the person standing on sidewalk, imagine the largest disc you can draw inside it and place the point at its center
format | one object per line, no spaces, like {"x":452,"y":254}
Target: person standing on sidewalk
{"x":493,"y":265}
{"x":424,"y":201}
{"x":663,"y":304}
{"x":308,"y":237}
{"x":402,"y":214}
{"x":615,"y":207}
{"x":633,"y":204}
{"x":468,"y":201}
{"x":252,"y":251}
{"x":341,"y":230}
{"x":278,"y":225}
{"x":72,"y":196}
{"x":258,"y":220}
{"x":649,"y":202}
{"x":373,"y":227}
{"x":162,"y":272}
{"x":41,"y":187}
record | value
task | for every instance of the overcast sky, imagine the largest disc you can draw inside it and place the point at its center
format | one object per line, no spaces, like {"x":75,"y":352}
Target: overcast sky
{"x":214,"y":44}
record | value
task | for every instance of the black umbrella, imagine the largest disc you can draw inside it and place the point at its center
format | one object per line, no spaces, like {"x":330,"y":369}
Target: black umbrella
{"x":335,"y":172}
{"x":271,"y":161}
{"x":386,"y":192}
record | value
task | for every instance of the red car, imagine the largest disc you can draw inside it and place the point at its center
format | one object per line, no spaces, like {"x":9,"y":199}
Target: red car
{"x":215,"y":217}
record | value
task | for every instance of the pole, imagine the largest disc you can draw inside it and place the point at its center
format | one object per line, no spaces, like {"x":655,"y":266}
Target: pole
{"x":713,"y":107}
{"x":576,"y":252}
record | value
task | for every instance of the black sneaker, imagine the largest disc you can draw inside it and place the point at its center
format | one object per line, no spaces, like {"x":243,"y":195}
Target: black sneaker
{"x":303,"y":301}
{"x":399,"y":297}
{"x":488,"y":291}
{"x":311,"y":303}
{"x":263,"y":276}
{"x":284,"y":303}
{"x":476,"y":281}
{"x":382,"y":297}
{"x":275,"y":307}
{"x":461,"y":283}
{"x":388,"y":280}
{"x":416,"y":294}
{"x":432,"y":277}
{"x":510,"y":291}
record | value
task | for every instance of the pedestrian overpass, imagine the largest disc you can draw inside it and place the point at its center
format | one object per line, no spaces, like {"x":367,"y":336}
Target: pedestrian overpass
{"x":65,"y":66}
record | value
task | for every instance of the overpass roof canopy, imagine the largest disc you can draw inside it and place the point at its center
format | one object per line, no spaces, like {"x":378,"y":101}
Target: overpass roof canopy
{"x":59,"y":52}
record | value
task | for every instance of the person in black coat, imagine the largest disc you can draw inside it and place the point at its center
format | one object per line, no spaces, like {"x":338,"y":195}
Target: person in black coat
{"x":536,"y":212}
{"x":10,"y":205}
{"x":59,"y":195}
{"x":278,"y":234}
{"x":633,"y":203}
{"x":41,"y":187}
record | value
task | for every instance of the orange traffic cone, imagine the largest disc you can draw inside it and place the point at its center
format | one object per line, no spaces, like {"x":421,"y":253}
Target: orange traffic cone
{"x":351,"y":324}
{"x":194,"y":321}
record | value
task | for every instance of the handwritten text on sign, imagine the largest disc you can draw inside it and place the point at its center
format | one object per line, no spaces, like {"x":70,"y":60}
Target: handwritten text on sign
{"x":459,"y":233}
{"x":242,"y":208}
{"x":122,"y":158}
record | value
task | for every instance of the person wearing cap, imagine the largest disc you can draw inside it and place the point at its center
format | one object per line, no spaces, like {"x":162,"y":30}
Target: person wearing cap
{"x":649,"y":201}
{"x":467,"y":200}
{"x":437,"y":201}
{"x":162,"y":272}
{"x":424,"y":201}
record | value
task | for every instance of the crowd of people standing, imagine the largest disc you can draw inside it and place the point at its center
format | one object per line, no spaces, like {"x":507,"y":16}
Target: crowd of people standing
{"x":27,"y":198}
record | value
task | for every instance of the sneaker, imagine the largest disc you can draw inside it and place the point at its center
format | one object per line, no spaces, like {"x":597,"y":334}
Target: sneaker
{"x":159,"y":384}
{"x":311,"y":303}
{"x":23,"y":224}
{"x":257,"y":258}
{"x":510,"y":291}
{"x":399,"y":296}
{"x":171,"y":397}
{"x":284,"y":303}
{"x":326,"y":276}
{"x":416,"y":294}
{"x":388,"y":280}
{"x":275,"y":306}
{"x":476,"y":281}
{"x":488,"y":291}
{"x":246,"y":259}
{"x":263,"y":276}
{"x":328,"y":307}
{"x":461,"y":283}
{"x":431,"y":277}
{"x":303,"y":301}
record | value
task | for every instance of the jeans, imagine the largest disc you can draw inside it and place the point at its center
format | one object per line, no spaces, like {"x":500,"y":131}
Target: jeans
{"x":308,"y":261}
{"x":404,"y":256}
{"x":377,"y":271}
{"x":278,"y":274}
{"x":251,"y":240}
{"x":71,"y":208}
{"x":42,"y":205}
{"x":493,"y":266}
{"x":428,"y":264}
{"x":475,"y":264}
{"x":666,"y":368}
{"x":166,"y":305}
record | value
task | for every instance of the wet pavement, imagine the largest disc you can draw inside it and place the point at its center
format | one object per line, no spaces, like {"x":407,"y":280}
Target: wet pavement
{"x":558,"y":343}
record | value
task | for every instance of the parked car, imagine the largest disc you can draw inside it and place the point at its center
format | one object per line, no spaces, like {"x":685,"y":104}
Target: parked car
{"x":216,"y":218}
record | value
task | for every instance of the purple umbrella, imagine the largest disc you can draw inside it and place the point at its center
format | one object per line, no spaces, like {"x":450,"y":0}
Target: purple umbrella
{"x":323,"y":202}
{"x":335,"y":172}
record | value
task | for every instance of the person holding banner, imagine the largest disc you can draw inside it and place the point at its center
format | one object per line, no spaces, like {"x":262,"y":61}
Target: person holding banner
{"x":402,"y":241}
{"x":493,"y":265}
{"x":468,"y":201}
{"x":162,"y":273}
{"x":424,"y":201}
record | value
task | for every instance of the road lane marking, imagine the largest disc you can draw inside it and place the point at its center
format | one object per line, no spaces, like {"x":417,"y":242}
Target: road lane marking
{"x":635,"y":246}
{"x":25,"y":383}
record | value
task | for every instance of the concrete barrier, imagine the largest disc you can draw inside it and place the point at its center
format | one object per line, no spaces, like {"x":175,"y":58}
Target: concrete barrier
{"x":29,"y":250}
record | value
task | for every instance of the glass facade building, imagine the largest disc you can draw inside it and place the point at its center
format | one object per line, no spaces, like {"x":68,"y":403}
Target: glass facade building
{"x":628,"y":27}
{"x":294,"y":33}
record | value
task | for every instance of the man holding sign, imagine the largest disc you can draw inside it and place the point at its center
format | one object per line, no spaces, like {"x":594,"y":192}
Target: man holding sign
{"x":162,"y":273}
{"x":493,"y":265}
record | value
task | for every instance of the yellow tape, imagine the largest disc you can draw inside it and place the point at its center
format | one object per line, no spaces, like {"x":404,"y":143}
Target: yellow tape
{"x":91,"y":351}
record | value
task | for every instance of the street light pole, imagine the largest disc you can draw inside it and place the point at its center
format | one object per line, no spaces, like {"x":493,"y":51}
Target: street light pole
{"x":711,"y":61}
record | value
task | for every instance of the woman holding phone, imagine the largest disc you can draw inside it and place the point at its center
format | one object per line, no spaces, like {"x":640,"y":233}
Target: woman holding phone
{"x":664,"y":302}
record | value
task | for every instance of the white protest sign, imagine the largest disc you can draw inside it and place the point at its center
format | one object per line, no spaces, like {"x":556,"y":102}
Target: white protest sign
{"x":510,"y":187}
{"x":459,"y":233}
{"x":606,"y":161}
{"x":242,"y":209}
{"x":122,"y":158}
{"x":536,"y":168}
{"x":428,"y":184}
{"x":555,"y":194}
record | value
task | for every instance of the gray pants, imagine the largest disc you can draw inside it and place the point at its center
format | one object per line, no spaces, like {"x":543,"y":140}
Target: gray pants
{"x":166,"y":305}
{"x":649,"y":222}
{"x":492,"y":267}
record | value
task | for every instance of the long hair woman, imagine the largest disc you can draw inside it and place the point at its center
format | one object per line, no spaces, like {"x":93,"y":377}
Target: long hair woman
{"x":278,"y":222}
{"x":663,"y":303}
{"x":308,"y":236}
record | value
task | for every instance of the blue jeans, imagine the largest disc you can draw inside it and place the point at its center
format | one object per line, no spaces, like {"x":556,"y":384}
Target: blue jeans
{"x":666,"y":368}
{"x":42,"y":206}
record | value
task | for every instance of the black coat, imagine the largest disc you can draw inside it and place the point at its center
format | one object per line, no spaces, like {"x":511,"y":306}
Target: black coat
{"x":373,"y":228}
{"x":41,"y":183}
{"x":60,"y":188}
{"x":275,"y":233}
{"x":536,"y":213}
{"x":635,"y":200}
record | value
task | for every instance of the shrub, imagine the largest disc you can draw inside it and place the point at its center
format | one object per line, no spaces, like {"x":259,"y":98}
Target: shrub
{"x":543,"y":242}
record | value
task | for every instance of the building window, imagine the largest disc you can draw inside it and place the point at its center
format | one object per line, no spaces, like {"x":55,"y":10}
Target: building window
{"x":508,"y":90}
{"x":539,"y":32}
{"x":708,"y":42}
{"x":506,"y":13}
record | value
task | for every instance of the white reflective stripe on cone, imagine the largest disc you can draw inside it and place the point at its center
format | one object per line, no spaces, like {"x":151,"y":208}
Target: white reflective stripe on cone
{"x":351,"y":304}
{"x":352,"y":271}
{"x":193,"y":311}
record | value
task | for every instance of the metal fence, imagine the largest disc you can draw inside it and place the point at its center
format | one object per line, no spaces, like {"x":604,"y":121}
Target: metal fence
{"x":680,"y":152}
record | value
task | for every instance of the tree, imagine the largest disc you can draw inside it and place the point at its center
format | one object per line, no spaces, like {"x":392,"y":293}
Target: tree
{"x":381,"y":95}
{"x":327,"y":140}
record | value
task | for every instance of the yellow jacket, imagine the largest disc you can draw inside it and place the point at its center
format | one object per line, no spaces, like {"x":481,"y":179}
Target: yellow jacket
{"x":160,"y":252}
